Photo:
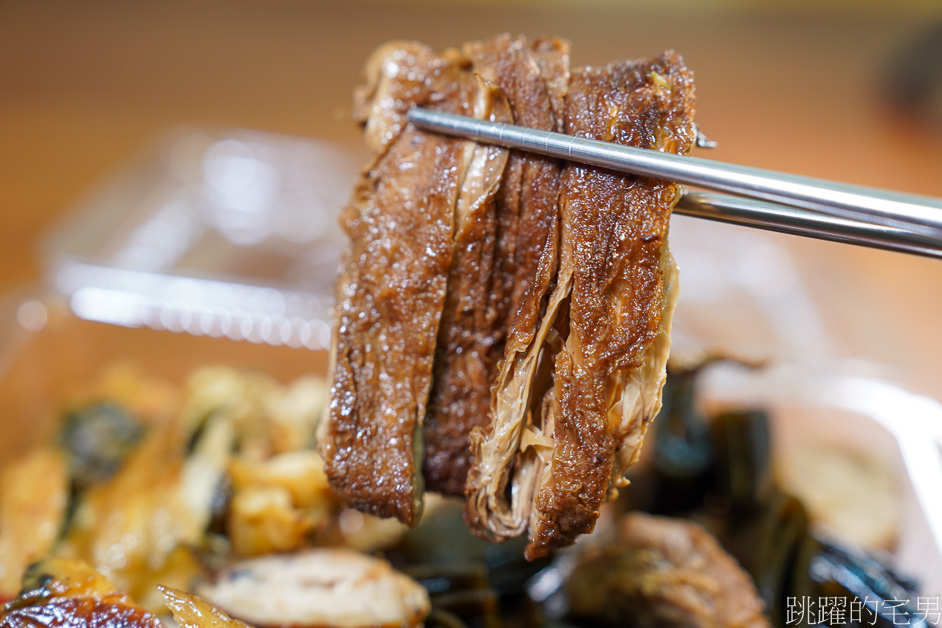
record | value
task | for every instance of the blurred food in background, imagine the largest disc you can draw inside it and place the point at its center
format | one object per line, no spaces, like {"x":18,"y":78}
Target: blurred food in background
{"x":213,"y":488}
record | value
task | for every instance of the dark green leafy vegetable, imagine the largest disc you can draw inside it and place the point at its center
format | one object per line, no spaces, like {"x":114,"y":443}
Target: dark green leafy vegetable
{"x":717,"y":471}
{"x":682,"y":451}
{"x":468,"y":579}
{"x":97,"y":439}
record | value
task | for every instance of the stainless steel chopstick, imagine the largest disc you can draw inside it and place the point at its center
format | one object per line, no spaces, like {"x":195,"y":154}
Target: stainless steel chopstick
{"x":802,"y":222}
{"x":916,"y":217}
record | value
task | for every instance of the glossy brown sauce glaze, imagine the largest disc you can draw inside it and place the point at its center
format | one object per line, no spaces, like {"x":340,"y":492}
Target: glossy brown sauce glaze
{"x":391,"y":294}
{"x":67,"y":593}
{"x":497,"y":256}
{"x":614,"y":229}
{"x":503,"y":322}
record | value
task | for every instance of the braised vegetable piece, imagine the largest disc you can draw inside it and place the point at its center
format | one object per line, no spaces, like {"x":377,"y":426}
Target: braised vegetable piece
{"x":571,"y":405}
{"x":470,"y":581}
{"x":663,"y":572}
{"x":717,"y":470}
{"x":34,"y":497}
{"x":66,"y":592}
{"x":459,"y":594}
{"x":60,"y":592}
{"x":190,"y":611}
{"x":618,"y":276}
{"x":536,"y":82}
{"x":97,"y":439}
{"x":325,"y":588}
{"x":278,"y":505}
{"x":139,"y":527}
{"x":504,"y":249}
{"x":227,"y":470}
{"x":442,"y":543}
{"x":391,"y":295}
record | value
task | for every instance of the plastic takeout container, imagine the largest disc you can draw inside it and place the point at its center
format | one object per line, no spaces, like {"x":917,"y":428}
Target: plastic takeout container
{"x":230,"y":239}
{"x":230,"y":234}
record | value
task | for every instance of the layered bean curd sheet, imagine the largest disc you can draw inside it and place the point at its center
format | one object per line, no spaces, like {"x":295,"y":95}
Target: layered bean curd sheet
{"x":503,"y":319}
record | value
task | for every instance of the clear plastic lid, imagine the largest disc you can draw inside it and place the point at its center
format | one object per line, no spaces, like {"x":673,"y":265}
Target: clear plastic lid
{"x":230,"y":234}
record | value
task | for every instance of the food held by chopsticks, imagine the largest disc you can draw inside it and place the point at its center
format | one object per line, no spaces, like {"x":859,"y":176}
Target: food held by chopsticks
{"x":503,"y":320}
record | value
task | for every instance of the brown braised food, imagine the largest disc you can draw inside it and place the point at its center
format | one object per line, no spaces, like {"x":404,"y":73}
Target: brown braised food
{"x":503,"y":320}
{"x":664,"y":572}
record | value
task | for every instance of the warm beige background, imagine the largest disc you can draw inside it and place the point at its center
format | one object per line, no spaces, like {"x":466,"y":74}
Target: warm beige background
{"x":795,"y":87}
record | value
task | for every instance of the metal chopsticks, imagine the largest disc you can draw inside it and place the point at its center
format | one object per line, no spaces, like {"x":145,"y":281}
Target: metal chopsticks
{"x":786,"y":203}
{"x":802,"y":222}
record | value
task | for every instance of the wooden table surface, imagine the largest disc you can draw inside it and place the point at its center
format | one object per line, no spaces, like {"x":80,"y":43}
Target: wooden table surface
{"x":84,"y":86}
